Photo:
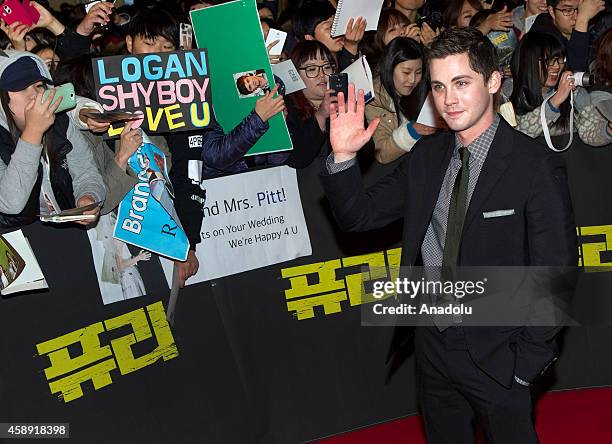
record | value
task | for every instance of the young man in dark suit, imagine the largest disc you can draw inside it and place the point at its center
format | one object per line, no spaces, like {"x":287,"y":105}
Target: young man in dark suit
{"x":481,"y":194}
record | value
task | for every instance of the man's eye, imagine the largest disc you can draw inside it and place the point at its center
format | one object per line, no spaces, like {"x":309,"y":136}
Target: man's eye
{"x":437,"y":87}
{"x":462,"y":83}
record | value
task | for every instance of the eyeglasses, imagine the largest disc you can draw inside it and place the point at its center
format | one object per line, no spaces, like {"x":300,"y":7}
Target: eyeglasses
{"x":313,"y":71}
{"x":568,"y":12}
{"x":555,"y":61}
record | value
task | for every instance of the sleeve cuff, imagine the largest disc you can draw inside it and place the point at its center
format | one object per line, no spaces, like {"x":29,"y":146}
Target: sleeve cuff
{"x":333,"y":168}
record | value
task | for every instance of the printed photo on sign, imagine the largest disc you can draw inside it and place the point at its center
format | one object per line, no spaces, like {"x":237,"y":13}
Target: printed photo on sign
{"x":123,"y":271}
{"x":11,"y":264}
{"x":251,"y":83}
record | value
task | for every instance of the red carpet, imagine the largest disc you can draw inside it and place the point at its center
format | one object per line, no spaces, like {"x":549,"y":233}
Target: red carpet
{"x":568,"y":417}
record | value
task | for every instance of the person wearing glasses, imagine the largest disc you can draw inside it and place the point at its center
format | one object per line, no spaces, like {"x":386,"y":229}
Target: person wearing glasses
{"x":308,"y":110}
{"x":538,"y":72}
{"x":400,"y":91}
{"x":568,"y":21}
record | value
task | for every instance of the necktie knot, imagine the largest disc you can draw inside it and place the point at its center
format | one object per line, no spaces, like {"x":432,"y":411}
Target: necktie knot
{"x":464,"y":155}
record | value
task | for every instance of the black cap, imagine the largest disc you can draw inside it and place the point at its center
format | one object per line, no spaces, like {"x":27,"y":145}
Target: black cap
{"x":21,"y":74}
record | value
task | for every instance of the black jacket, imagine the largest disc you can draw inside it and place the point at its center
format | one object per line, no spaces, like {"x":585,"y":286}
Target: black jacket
{"x":576,"y":48}
{"x":519,"y":173}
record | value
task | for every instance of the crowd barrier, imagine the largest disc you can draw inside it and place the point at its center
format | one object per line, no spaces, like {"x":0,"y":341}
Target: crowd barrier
{"x":276,"y":354}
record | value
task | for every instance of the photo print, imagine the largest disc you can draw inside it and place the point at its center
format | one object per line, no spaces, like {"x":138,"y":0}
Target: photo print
{"x":251,"y":83}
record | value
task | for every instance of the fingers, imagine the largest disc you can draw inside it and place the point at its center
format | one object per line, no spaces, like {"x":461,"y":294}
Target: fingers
{"x":127,"y":128}
{"x":360,"y":105}
{"x":349,"y":26}
{"x":372,"y":128}
{"x":341,"y":105}
{"x":55,"y":105}
{"x":351,"y":93}
{"x":333,"y":112}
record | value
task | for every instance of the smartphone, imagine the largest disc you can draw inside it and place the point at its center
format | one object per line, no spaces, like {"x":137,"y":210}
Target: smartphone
{"x":90,"y":5}
{"x":66,"y":91}
{"x":186,"y":36}
{"x":339,"y":83}
{"x":275,"y":34}
{"x":13,"y":11}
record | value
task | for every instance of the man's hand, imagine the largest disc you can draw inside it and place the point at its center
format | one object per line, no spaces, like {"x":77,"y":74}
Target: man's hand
{"x":83,"y":202}
{"x":347,"y":134}
{"x":98,"y":15}
{"x":355,"y":29}
{"x":188,"y":268}
{"x":587,"y":9}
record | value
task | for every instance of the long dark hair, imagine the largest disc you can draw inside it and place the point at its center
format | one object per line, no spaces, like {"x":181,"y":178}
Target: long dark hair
{"x":373,"y":44}
{"x":302,"y":52}
{"x":529,"y":71}
{"x":402,"y":49}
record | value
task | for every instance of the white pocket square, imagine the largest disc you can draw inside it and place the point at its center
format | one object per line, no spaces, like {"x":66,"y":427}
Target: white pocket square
{"x":497,"y":213}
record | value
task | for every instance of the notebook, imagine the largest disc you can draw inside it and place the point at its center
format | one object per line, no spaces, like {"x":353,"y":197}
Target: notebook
{"x":347,"y":9}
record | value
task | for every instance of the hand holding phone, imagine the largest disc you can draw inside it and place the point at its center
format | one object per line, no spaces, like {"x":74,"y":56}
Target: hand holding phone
{"x":68,"y":97}
{"x":12,"y":11}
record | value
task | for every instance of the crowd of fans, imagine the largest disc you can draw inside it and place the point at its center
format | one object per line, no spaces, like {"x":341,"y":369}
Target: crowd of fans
{"x":56,"y":161}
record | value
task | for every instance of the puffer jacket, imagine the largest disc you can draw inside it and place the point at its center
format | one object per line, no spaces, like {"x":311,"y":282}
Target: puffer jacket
{"x":392,"y":138}
{"x":224,"y":153}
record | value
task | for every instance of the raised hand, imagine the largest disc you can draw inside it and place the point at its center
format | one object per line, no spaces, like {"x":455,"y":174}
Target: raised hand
{"x":130,"y":141}
{"x":16,"y":34}
{"x":500,"y":21}
{"x":347,"y":133}
{"x":428,"y":34}
{"x":413,"y":31}
{"x":39,"y":116}
{"x":268,"y":106}
{"x":355,"y":29}
{"x":47,"y":20}
{"x":98,"y":15}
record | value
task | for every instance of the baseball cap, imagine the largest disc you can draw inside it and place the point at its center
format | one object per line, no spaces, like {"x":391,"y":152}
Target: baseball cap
{"x":21,"y":74}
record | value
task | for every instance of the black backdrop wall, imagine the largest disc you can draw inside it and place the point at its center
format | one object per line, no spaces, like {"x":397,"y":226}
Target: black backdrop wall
{"x":259,"y":360}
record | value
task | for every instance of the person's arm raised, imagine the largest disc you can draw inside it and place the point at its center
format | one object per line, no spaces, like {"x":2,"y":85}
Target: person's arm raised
{"x":347,"y":132}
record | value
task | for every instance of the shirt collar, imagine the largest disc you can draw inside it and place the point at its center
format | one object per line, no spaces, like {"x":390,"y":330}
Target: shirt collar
{"x":479,"y":148}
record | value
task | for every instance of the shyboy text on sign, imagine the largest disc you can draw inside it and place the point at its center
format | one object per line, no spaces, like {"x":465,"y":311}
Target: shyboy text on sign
{"x":171,"y":90}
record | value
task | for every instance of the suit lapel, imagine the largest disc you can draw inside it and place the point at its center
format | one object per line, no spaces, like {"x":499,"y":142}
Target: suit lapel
{"x":495,"y":164}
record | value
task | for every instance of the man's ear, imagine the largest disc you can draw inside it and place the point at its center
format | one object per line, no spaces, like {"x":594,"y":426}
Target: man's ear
{"x":551,"y":11}
{"x":309,"y":37}
{"x":128,"y":43}
{"x":495,"y":81}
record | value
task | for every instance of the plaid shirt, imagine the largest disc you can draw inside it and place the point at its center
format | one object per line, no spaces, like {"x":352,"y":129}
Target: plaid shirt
{"x":433,"y":244}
